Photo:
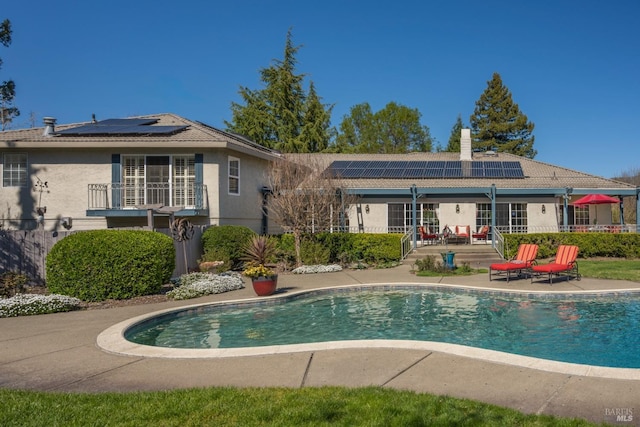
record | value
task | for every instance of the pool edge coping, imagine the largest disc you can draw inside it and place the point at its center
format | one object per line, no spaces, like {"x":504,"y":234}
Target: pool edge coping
{"x":112,"y":340}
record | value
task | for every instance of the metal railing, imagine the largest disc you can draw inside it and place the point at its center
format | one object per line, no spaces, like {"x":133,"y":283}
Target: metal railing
{"x":123,"y":196}
{"x":406,"y":244}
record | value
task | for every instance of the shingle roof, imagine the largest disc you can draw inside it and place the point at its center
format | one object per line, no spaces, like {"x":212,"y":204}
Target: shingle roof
{"x":537,"y":174}
{"x":196,"y":134}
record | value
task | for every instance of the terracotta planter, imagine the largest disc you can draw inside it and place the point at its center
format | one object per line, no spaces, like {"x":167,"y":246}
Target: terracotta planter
{"x":264,"y":286}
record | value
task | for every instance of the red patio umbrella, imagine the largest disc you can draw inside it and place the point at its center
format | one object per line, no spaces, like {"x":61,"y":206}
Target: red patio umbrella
{"x":595,"y":199}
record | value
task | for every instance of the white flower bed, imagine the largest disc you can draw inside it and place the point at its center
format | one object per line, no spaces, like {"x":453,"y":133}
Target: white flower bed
{"x":306,"y":269}
{"x":195,"y":285}
{"x":30,"y":304}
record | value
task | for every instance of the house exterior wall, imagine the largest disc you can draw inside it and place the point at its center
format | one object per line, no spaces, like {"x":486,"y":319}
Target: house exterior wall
{"x":68,"y":173}
{"x":235,"y":209}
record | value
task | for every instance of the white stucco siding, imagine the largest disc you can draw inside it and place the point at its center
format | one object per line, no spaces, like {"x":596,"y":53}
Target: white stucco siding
{"x":67,"y":175}
{"x":244,"y":208}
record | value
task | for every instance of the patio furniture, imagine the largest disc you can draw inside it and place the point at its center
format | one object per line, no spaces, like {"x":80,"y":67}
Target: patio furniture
{"x":427,"y":234}
{"x":523,"y":261}
{"x":459,"y":234}
{"x":564,"y":264}
{"x":481,"y":234}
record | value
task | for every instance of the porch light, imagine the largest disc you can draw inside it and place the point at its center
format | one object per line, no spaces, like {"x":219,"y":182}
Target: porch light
{"x":457,"y":208}
{"x":366,"y":208}
{"x":544,"y":209}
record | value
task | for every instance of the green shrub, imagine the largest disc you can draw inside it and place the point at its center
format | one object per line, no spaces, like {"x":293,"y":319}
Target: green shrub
{"x":285,"y":250}
{"x":110,"y":264}
{"x":615,"y":245}
{"x":428,"y":263}
{"x":228,"y":240}
{"x":216,"y":255}
{"x":377,"y":248}
{"x":314,"y":253}
{"x":340,"y":245}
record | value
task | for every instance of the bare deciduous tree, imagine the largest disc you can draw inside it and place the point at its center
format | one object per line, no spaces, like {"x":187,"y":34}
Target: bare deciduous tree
{"x":304,"y":199}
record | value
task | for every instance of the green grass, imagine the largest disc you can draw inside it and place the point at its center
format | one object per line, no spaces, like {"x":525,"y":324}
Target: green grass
{"x":619,"y":269}
{"x":327,"y":406}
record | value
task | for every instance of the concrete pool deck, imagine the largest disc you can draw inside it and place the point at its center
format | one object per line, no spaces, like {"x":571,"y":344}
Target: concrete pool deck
{"x":58,"y":352}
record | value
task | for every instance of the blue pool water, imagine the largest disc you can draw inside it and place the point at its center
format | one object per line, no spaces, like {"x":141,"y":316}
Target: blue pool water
{"x":596,"y":331}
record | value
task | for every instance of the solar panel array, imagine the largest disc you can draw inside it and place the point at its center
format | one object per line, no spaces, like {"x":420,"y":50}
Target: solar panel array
{"x":377,"y":169}
{"x":122,"y":127}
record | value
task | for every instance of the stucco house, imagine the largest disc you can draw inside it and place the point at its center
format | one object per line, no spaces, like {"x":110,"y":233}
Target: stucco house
{"x":509,"y":193}
{"x":130,"y":172}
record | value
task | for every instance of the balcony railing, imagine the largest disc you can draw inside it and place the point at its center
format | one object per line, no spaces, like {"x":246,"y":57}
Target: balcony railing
{"x":123,"y":196}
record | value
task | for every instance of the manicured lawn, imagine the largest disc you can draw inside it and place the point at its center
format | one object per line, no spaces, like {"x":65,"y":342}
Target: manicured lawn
{"x":328,"y":406}
{"x":619,"y":269}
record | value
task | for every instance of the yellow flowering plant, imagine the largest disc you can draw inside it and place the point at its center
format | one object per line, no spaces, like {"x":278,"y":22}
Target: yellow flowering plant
{"x":259,"y":270}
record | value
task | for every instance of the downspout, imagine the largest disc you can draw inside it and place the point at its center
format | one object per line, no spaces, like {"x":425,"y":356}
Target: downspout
{"x":264,"y":227}
{"x":414,"y":197}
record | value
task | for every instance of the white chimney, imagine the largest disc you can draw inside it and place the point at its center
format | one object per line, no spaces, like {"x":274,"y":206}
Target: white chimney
{"x":465,"y":144}
{"x":49,"y":126}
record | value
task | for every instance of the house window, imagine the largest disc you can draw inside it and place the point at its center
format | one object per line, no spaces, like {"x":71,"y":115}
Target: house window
{"x":400,"y":216}
{"x":483,"y":214}
{"x":14,"y":170}
{"x":512,"y":217}
{"x":395,"y":218}
{"x":162,"y":180}
{"x":184,"y":178}
{"x":234,"y":176}
{"x":581,"y":215}
{"x":430,"y":216}
{"x":133,"y":181}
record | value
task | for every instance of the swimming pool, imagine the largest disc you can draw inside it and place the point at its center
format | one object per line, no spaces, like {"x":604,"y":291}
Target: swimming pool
{"x":599,"y":331}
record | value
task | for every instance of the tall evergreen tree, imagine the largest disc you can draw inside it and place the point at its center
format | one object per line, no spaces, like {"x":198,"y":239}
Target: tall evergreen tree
{"x":316,"y":129}
{"x":394,"y":129}
{"x":277,"y":116}
{"x":454,"y":138}
{"x":8,"y":88}
{"x":497,"y":123}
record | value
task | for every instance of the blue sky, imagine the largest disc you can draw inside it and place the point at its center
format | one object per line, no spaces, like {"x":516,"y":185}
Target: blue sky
{"x":573,"y":66}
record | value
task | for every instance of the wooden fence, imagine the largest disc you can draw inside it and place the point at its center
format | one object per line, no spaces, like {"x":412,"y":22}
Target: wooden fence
{"x":25,"y":251}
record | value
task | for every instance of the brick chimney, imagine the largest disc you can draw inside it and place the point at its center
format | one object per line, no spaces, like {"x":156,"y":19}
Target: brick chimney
{"x":465,"y":144}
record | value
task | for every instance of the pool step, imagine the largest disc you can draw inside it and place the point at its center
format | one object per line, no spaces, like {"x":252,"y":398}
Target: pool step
{"x":478,"y":255}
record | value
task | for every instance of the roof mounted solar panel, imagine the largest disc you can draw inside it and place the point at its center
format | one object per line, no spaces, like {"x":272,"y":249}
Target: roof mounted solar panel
{"x":396,"y":164}
{"x":394,"y":169}
{"x":372,"y":173}
{"x":392,"y":173}
{"x":379,"y":164}
{"x":340,"y":164}
{"x":122,"y":127}
{"x":126,"y":122}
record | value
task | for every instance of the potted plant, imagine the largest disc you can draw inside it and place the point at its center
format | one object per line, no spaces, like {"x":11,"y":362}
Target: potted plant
{"x":263,"y":279}
{"x":258,"y":252}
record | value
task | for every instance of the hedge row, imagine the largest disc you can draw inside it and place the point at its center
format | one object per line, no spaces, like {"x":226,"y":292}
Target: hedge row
{"x":615,"y":245}
{"x":225,"y":243}
{"x":110,"y":264}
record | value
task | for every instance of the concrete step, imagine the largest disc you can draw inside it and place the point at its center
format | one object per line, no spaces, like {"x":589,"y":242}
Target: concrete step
{"x":478,"y":255}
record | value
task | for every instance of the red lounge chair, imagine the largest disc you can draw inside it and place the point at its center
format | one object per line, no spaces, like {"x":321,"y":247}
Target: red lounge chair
{"x":426,"y":234}
{"x":482,"y":233}
{"x":524,"y":260}
{"x":564,"y":264}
